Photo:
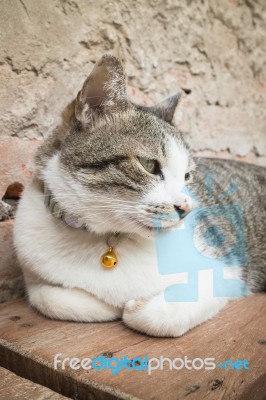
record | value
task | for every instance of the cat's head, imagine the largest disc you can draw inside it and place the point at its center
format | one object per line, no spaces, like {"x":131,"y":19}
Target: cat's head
{"x":121,"y":167}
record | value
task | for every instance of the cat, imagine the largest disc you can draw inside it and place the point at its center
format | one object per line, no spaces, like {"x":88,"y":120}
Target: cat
{"x":104,"y":180}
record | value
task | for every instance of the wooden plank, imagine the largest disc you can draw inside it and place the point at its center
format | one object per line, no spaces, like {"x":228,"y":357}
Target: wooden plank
{"x":14,"y":387}
{"x":29,"y":343}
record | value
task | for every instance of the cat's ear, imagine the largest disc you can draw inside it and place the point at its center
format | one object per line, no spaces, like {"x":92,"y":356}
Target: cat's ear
{"x":165,"y":109}
{"x":103,"y":91}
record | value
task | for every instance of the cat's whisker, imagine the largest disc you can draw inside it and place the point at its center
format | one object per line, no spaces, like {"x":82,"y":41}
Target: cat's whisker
{"x":93,"y":197}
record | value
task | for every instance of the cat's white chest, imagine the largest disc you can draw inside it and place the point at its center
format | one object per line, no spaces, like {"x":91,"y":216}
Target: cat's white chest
{"x":72,"y":258}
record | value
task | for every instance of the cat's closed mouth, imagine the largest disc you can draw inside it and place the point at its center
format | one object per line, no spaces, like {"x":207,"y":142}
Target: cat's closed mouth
{"x":158,"y":225}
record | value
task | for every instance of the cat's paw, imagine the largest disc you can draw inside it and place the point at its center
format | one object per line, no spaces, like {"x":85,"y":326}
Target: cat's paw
{"x":134,"y":305}
{"x":153,"y":318}
{"x":157,"y":317}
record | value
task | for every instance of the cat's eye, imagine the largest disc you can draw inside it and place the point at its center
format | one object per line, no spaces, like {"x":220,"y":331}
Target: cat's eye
{"x":151,"y":166}
{"x":187,"y":176}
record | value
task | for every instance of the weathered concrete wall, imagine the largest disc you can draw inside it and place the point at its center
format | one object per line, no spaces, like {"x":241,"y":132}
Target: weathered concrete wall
{"x":213,"y":49}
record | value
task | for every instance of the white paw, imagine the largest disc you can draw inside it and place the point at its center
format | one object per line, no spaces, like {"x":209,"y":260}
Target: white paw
{"x":157,"y":317}
{"x":152,"y":318}
{"x":134,"y":305}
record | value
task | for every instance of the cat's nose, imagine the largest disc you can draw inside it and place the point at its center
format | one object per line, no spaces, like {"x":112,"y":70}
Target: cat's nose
{"x":180,"y":211}
{"x":183,"y":206}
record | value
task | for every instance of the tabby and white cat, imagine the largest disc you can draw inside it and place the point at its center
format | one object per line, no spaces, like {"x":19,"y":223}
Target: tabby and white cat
{"x":114,"y":169}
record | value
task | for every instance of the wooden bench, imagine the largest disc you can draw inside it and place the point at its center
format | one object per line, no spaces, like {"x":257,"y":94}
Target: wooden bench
{"x":29,"y":343}
{"x":14,"y":387}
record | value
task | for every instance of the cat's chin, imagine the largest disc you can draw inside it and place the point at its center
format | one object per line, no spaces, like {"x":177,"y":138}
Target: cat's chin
{"x":138,"y":229}
{"x":144,"y":229}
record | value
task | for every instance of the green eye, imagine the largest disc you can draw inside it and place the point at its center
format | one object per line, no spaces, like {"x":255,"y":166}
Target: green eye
{"x":151,"y":166}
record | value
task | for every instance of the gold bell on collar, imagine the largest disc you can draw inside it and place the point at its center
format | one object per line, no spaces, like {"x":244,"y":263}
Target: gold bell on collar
{"x":109,"y":259}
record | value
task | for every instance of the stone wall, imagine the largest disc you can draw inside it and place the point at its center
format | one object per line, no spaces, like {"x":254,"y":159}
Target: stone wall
{"x":215,"y":50}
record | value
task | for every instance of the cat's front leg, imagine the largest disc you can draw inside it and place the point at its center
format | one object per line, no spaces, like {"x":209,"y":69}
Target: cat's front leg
{"x":157,"y":317}
{"x":70,"y":304}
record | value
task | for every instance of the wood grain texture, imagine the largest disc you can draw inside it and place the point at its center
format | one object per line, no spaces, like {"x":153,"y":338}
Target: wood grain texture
{"x":29,"y":343}
{"x":13,"y":387}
